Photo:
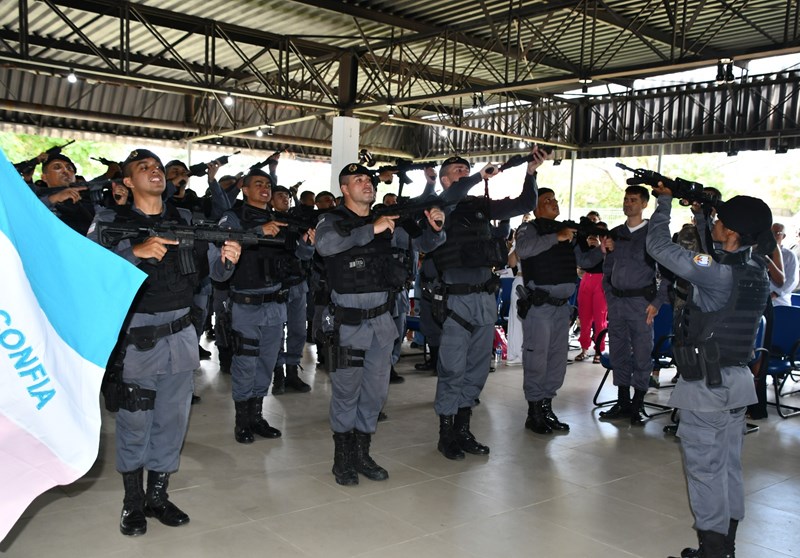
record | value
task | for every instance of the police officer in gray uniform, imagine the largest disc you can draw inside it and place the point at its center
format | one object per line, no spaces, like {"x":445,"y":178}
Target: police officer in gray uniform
{"x":714,"y":342}
{"x":161,"y":347}
{"x":466,"y":302}
{"x":363,"y":275}
{"x":286,"y":373}
{"x":549,"y":257}
{"x":259,"y":304}
{"x":629,"y":281}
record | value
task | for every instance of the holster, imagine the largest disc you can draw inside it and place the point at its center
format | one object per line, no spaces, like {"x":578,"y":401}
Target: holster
{"x":438,"y":303}
{"x":698,"y":362}
{"x":112,"y":379}
{"x":134,"y":398}
{"x":244,"y":346}
{"x":523,"y":301}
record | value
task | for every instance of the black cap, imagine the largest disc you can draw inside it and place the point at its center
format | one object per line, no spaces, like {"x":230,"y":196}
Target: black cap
{"x":276,"y":189}
{"x":176,"y":163}
{"x":745,"y":215}
{"x":58,"y":157}
{"x":456,"y":160}
{"x":139,"y":155}
{"x":353,"y":169}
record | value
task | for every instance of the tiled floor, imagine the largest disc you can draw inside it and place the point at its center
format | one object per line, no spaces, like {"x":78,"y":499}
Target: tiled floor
{"x":603,"y":490}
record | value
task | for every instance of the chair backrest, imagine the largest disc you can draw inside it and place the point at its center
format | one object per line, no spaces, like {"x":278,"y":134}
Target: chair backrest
{"x":662,"y":332}
{"x":785,"y":330}
{"x":795,"y":299}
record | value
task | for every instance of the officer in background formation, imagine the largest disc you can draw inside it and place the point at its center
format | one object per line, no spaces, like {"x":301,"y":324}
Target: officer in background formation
{"x":549,"y":257}
{"x":714,"y":340}
{"x":58,"y":171}
{"x":465,"y":301}
{"x":160,"y":347}
{"x":633,"y":298}
{"x":364,"y":275}
{"x":286,"y":373}
{"x":259,"y":304}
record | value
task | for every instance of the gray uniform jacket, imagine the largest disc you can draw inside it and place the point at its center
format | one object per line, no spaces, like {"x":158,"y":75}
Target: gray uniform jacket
{"x":174,"y":353}
{"x":712,"y":289}
{"x":330,"y":242}
{"x":530,"y":243}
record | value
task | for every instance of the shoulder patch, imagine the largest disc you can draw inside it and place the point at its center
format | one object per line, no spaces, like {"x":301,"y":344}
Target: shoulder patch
{"x":702,"y":260}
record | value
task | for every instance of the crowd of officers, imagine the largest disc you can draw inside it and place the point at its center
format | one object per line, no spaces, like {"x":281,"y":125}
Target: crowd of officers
{"x":361,"y":262}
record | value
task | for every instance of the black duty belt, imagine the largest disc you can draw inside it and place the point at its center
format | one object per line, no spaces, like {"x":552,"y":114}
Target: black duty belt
{"x":354,"y":316}
{"x":145,"y":337}
{"x":278,"y":296}
{"x":292,"y":281}
{"x":490,"y":286}
{"x":649,"y":292}
{"x":541,"y":296}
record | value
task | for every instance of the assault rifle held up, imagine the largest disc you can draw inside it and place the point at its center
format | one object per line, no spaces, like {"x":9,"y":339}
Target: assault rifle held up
{"x":585,"y":227}
{"x":294,"y":222}
{"x":28,"y":166}
{"x":681,"y":188}
{"x":94,"y":192}
{"x":408,"y":212}
{"x":402,"y":167}
{"x":265,"y":162}
{"x":106,"y":162}
{"x":200,"y":169}
{"x":518,"y":159}
{"x":111,"y":234}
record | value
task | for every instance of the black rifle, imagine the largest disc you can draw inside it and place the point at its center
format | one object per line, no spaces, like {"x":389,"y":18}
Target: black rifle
{"x":200,"y":169}
{"x":681,"y":188}
{"x":110,"y":234}
{"x":584,"y":227}
{"x":295,"y":222}
{"x":402,"y":168}
{"x":265,"y":162}
{"x":517,"y":160}
{"x":408,"y":212}
{"x":106,"y":162}
{"x":28,"y":166}
{"x":94,"y":192}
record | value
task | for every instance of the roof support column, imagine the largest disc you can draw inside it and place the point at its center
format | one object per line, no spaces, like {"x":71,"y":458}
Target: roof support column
{"x":345,"y":137}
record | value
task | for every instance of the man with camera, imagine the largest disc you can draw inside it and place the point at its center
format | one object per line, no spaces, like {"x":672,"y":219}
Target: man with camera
{"x":713,"y":343}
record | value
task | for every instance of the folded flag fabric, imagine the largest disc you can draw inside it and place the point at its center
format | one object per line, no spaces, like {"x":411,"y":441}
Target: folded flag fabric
{"x":63,"y":299}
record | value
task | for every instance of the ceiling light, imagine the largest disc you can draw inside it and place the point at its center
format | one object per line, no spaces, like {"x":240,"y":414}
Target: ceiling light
{"x":523,"y":144}
{"x":443,"y":132}
{"x":585,"y":80}
{"x":71,"y":77}
{"x":228,"y":100}
{"x":259,"y":132}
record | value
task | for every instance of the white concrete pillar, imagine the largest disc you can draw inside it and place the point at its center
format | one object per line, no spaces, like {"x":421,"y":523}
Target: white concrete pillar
{"x":344,"y":147}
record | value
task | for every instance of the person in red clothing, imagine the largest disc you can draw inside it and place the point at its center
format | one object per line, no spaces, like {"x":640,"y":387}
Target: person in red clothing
{"x":592,"y":308}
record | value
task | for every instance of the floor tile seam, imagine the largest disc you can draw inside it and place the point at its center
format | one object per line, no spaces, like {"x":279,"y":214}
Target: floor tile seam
{"x":344,"y":499}
{"x":640,"y":506}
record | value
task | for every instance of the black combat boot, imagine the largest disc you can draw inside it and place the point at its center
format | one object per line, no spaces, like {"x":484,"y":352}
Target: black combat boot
{"x":132,"y":521}
{"x":278,"y":378}
{"x":536,"y":420}
{"x":364,"y":463}
{"x":258,"y":424}
{"x":550,"y":417}
{"x":622,"y":408}
{"x":730,"y":539}
{"x":157,"y":502}
{"x":344,"y":456}
{"x":711,"y":545}
{"x":242,"y":431}
{"x":466,"y":440}
{"x":448,"y":442}
{"x":225,"y":359}
{"x":394,"y":377}
{"x":637,"y":406}
{"x":293,"y":380}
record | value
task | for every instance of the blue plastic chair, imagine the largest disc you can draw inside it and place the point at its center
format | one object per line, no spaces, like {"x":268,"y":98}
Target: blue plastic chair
{"x":784,"y":359}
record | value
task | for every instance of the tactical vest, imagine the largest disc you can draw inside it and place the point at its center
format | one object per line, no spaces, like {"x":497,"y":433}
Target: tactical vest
{"x":551,"y":267}
{"x":260,"y":266}
{"x":371,"y":268}
{"x":733,"y":327}
{"x":469,"y":239}
{"x":165,"y":288}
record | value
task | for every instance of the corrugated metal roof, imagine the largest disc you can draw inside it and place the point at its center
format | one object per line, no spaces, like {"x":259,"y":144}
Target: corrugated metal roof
{"x":440,"y":53}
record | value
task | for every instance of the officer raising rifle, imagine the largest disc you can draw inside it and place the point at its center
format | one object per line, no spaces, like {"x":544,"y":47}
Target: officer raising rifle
{"x":27,"y":167}
{"x":200,"y":169}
